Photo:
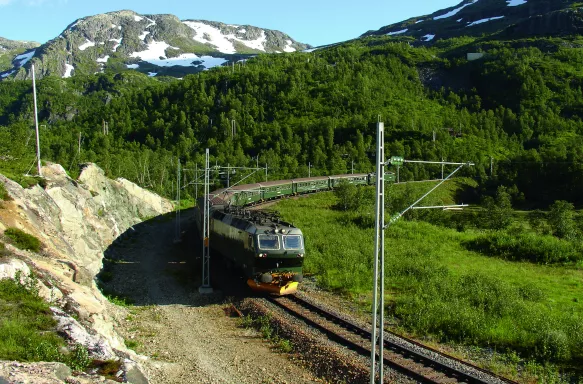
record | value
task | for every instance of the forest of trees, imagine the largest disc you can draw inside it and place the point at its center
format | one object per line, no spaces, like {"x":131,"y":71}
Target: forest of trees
{"x":516,"y":114}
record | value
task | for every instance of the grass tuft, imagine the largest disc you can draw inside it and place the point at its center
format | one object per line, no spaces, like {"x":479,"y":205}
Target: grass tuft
{"x":23,"y":240}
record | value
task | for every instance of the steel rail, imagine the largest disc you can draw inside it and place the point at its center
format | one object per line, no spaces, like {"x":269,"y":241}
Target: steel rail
{"x":426,"y":361}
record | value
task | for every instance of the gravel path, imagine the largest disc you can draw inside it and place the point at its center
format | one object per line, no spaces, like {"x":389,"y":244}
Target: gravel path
{"x":187,"y":336}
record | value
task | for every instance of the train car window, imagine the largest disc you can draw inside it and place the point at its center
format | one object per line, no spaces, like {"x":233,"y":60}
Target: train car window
{"x":268,"y":242}
{"x":292,"y":242}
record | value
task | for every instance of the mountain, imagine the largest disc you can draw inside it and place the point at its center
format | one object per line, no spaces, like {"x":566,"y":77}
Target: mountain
{"x":506,"y":18}
{"x":11,"y":54}
{"x":153,"y":44}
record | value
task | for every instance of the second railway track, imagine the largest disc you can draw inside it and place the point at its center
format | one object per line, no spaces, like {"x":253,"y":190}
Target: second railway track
{"x":412,"y":359}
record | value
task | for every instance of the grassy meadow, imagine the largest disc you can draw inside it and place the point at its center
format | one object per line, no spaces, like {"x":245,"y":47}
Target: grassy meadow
{"x":439,"y":286}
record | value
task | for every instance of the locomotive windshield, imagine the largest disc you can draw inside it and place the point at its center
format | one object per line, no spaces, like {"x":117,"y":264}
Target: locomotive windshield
{"x":268,"y":242}
{"x":292,"y":242}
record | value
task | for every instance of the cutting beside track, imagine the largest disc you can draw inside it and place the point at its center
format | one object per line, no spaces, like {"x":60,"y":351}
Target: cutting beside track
{"x":413,"y":359}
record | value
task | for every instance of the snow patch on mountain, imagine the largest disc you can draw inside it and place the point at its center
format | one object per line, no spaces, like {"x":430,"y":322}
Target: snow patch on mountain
{"x":398,"y":32}
{"x":428,"y":37}
{"x":485,"y":20}
{"x":515,"y":3}
{"x":132,"y":66}
{"x":68,"y":70}
{"x":118,"y":43}
{"x":288,"y":47}
{"x":143,"y":35}
{"x":24,"y":58}
{"x":156,"y":54}
{"x":152,"y":22}
{"x":454,"y":11}
{"x":138,"y":18}
{"x":6,"y":74}
{"x":86,"y":45}
{"x":103,"y":59}
{"x":207,"y":34}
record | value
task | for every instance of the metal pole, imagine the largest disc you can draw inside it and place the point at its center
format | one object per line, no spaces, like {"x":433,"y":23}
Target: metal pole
{"x":177,"y":238}
{"x":397,"y":173}
{"x":196,"y":185}
{"x":36,"y":122}
{"x":206,"y":286}
{"x":309,"y":169}
{"x":442,"y":165}
{"x":265,"y":172}
{"x":228,"y":174}
{"x":379,"y":225}
{"x":352,"y":167}
{"x":79,"y":148}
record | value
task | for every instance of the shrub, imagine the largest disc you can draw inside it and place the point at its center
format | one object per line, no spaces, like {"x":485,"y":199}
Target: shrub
{"x":4,"y":193}
{"x":27,"y":327}
{"x":3,"y":251}
{"x":561,"y":219}
{"x":349,"y":196}
{"x":23,"y":240}
{"x":79,"y":358}
{"x":526,"y":246}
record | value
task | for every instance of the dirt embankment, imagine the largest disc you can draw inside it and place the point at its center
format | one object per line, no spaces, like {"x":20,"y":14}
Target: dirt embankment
{"x":188,"y":336}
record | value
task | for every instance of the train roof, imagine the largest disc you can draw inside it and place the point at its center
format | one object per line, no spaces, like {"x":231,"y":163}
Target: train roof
{"x":252,"y":221}
{"x":272,"y":183}
{"x":349,"y":175}
{"x":315,"y":178}
{"x":223,"y":196}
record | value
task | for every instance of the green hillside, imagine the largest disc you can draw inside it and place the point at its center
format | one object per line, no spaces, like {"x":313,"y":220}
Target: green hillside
{"x":510,"y":308}
{"x":519,"y":106}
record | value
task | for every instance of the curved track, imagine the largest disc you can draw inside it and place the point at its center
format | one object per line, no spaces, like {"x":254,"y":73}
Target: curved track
{"x":407,"y":356}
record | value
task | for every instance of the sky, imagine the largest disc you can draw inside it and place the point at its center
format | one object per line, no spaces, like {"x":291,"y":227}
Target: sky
{"x":315,"y":22}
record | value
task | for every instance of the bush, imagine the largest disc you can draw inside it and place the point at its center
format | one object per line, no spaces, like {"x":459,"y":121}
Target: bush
{"x":562,"y":220}
{"x":526,"y":246}
{"x":23,"y":240}
{"x":349,"y":196}
{"x":3,"y":251}
{"x":27,"y":327}
{"x":4,"y":193}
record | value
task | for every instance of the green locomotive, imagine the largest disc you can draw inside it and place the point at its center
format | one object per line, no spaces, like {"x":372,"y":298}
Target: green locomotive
{"x":270,"y":252}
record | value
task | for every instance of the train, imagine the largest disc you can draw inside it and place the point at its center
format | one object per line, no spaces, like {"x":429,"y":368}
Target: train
{"x":269,"y":252}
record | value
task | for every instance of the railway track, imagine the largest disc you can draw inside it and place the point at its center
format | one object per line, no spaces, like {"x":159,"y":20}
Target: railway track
{"x":414,"y":360}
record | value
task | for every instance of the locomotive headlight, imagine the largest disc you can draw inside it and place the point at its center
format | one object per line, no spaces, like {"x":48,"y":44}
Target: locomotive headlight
{"x":300,"y":255}
{"x":262,"y":255}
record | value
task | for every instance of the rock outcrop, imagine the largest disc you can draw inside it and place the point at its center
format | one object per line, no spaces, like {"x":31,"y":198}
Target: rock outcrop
{"x":76,"y":220}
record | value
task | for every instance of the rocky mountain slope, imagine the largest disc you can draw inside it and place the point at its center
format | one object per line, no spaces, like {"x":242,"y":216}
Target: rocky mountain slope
{"x":11,"y":54}
{"x":75,"y":220}
{"x":152,"y":44}
{"x":506,"y":18}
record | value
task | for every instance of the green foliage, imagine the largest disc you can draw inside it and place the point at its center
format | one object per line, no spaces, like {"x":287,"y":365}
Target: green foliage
{"x":498,"y":210}
{"x":532,"y":247}
{"x":436,"y":286}
{"x":119,"y":300}
{"x":318,"y":108}
{"x":4,"y":193}
{"x":79,"y":358}
{"x":561,"y":220}
{"x":349,"y":196}
{"x":263,"y":325}
{"x":131,"y":344}
{"x":23,"y":240}
{"x":27,"y":327}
